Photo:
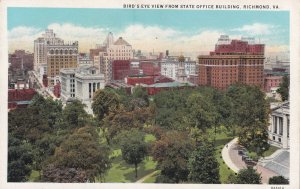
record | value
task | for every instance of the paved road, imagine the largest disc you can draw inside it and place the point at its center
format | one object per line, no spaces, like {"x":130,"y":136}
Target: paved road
{"x":235,"y":163}
{"x":231,"y":157}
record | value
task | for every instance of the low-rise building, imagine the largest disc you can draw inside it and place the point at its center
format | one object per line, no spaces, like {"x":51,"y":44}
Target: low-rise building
{"x":279,"y":129}
{"x":271,"y":82}
{"x":20,"y":98}
{"x":81,"y":83}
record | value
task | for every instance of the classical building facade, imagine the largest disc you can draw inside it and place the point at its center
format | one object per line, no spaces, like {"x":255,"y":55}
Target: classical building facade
{"x":81,"y":83}
{"x":233,"y":61}
{"x":279,"y":129}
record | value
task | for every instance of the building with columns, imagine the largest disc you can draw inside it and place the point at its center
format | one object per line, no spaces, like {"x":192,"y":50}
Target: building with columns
{"x":81,"y":83}
{"x":279,"y":129}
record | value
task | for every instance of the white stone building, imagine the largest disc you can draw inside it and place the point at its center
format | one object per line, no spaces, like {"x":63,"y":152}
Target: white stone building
{"x":81,"y":83}
{"x":279,"y":129}
{"x":170,"y":67}
{"x":85,"y":61}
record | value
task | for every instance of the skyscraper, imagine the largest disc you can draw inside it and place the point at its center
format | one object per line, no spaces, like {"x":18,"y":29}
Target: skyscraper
{"x":51,"y":54}
{"x":234,"y":61}
{"x":112,"y":50}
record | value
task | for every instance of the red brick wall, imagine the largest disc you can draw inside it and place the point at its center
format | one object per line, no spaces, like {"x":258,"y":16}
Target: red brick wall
{"x":140,"y":80}
{"x":120,"y":69}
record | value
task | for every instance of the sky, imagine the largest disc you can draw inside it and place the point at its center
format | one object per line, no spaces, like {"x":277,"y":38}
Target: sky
{"x":185,"y":31}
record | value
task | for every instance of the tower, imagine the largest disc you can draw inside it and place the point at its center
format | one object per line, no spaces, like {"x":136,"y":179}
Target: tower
{"x":181,"y":76}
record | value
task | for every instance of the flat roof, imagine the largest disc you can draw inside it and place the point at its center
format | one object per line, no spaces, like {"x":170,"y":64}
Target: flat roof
{"x":171,"y":84}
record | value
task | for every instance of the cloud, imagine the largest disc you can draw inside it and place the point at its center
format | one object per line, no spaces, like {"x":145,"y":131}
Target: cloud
{"x":277,"y":48}
{"x":256,"y":29}
{"x":145,"y":38}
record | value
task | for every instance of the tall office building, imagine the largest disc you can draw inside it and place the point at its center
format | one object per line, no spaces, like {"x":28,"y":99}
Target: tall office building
{"x":110,"y":51}
{"x":60,"y":56}
{"x":233,"y":61}
{"x":51,"y":54}
{"x":40,"y":50}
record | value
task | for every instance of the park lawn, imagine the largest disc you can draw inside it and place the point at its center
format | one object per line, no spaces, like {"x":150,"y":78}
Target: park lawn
{"x":152,"y":178}
{"x":224,"y":171}
{"x":34,"y":176}
{"x":267,"y":153}
{"x":121,"y":171}
{"x":270,"y":151}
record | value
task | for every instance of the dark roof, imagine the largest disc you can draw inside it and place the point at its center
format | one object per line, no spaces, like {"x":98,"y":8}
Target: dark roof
{"x":121,"y":41}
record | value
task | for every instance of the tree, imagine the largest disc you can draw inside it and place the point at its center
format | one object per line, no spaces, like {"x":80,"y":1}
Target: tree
{"x":171,"y":108}
{"x":140,"y":92}
{"x":250,"y":116}
{"x":284,"y":88}
{"x":74,"y":114}
{"x":19,"y":160}
{"x":278,"y":180}
{"x":248,"y":176}
{"x":83,"y":151}
{"x":172,"y":152}
{"x":105,"y":101}
{"x":63,"y":175}
{"x":133,"y":147}
{"x":25,"y":124}
{"x":121,"y":119}
{"x":202,"y":113}
{"x":203,"y":165}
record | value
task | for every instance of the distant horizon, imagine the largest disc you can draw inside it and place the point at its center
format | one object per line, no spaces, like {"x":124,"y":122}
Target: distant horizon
{"x":186,"y":31}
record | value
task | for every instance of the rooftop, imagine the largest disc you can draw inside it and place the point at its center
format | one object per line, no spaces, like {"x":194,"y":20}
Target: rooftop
{"x":121,"y":41}
{"x":171,"y":84}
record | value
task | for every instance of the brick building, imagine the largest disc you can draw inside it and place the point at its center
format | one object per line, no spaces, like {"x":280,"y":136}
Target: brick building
{"x":120,"y":69}
{"x":20,"y":98}
{"x":57,"y":90}
{"x":21,"y":60}
{"x":234,"y":61}
{"x":135,"y":80}
{"x":150,"y":67}
{"x":272,"y":81}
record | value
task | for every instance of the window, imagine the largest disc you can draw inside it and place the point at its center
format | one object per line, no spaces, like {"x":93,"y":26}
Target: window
{"x":280,"y":125}
{"x":275,"y":124}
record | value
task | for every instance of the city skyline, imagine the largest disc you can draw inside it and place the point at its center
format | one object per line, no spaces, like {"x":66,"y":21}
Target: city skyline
{"x":148,"y":30}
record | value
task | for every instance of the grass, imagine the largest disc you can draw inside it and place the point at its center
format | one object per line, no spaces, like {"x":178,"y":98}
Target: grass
{"x":34,"y":176}
{"x":149,"y":138}
{"x":270,"y":151}
{"x":224,"y":171}
{"x":267,"y":153}
{"x":152,"y":178}
{"x":123,"y":172}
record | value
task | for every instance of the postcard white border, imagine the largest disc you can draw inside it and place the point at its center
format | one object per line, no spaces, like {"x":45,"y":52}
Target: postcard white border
{"x":291,"y":5}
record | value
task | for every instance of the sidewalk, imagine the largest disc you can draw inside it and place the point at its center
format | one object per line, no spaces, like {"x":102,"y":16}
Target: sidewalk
{"x":234,"y":161}
{"x":231,"y":157}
